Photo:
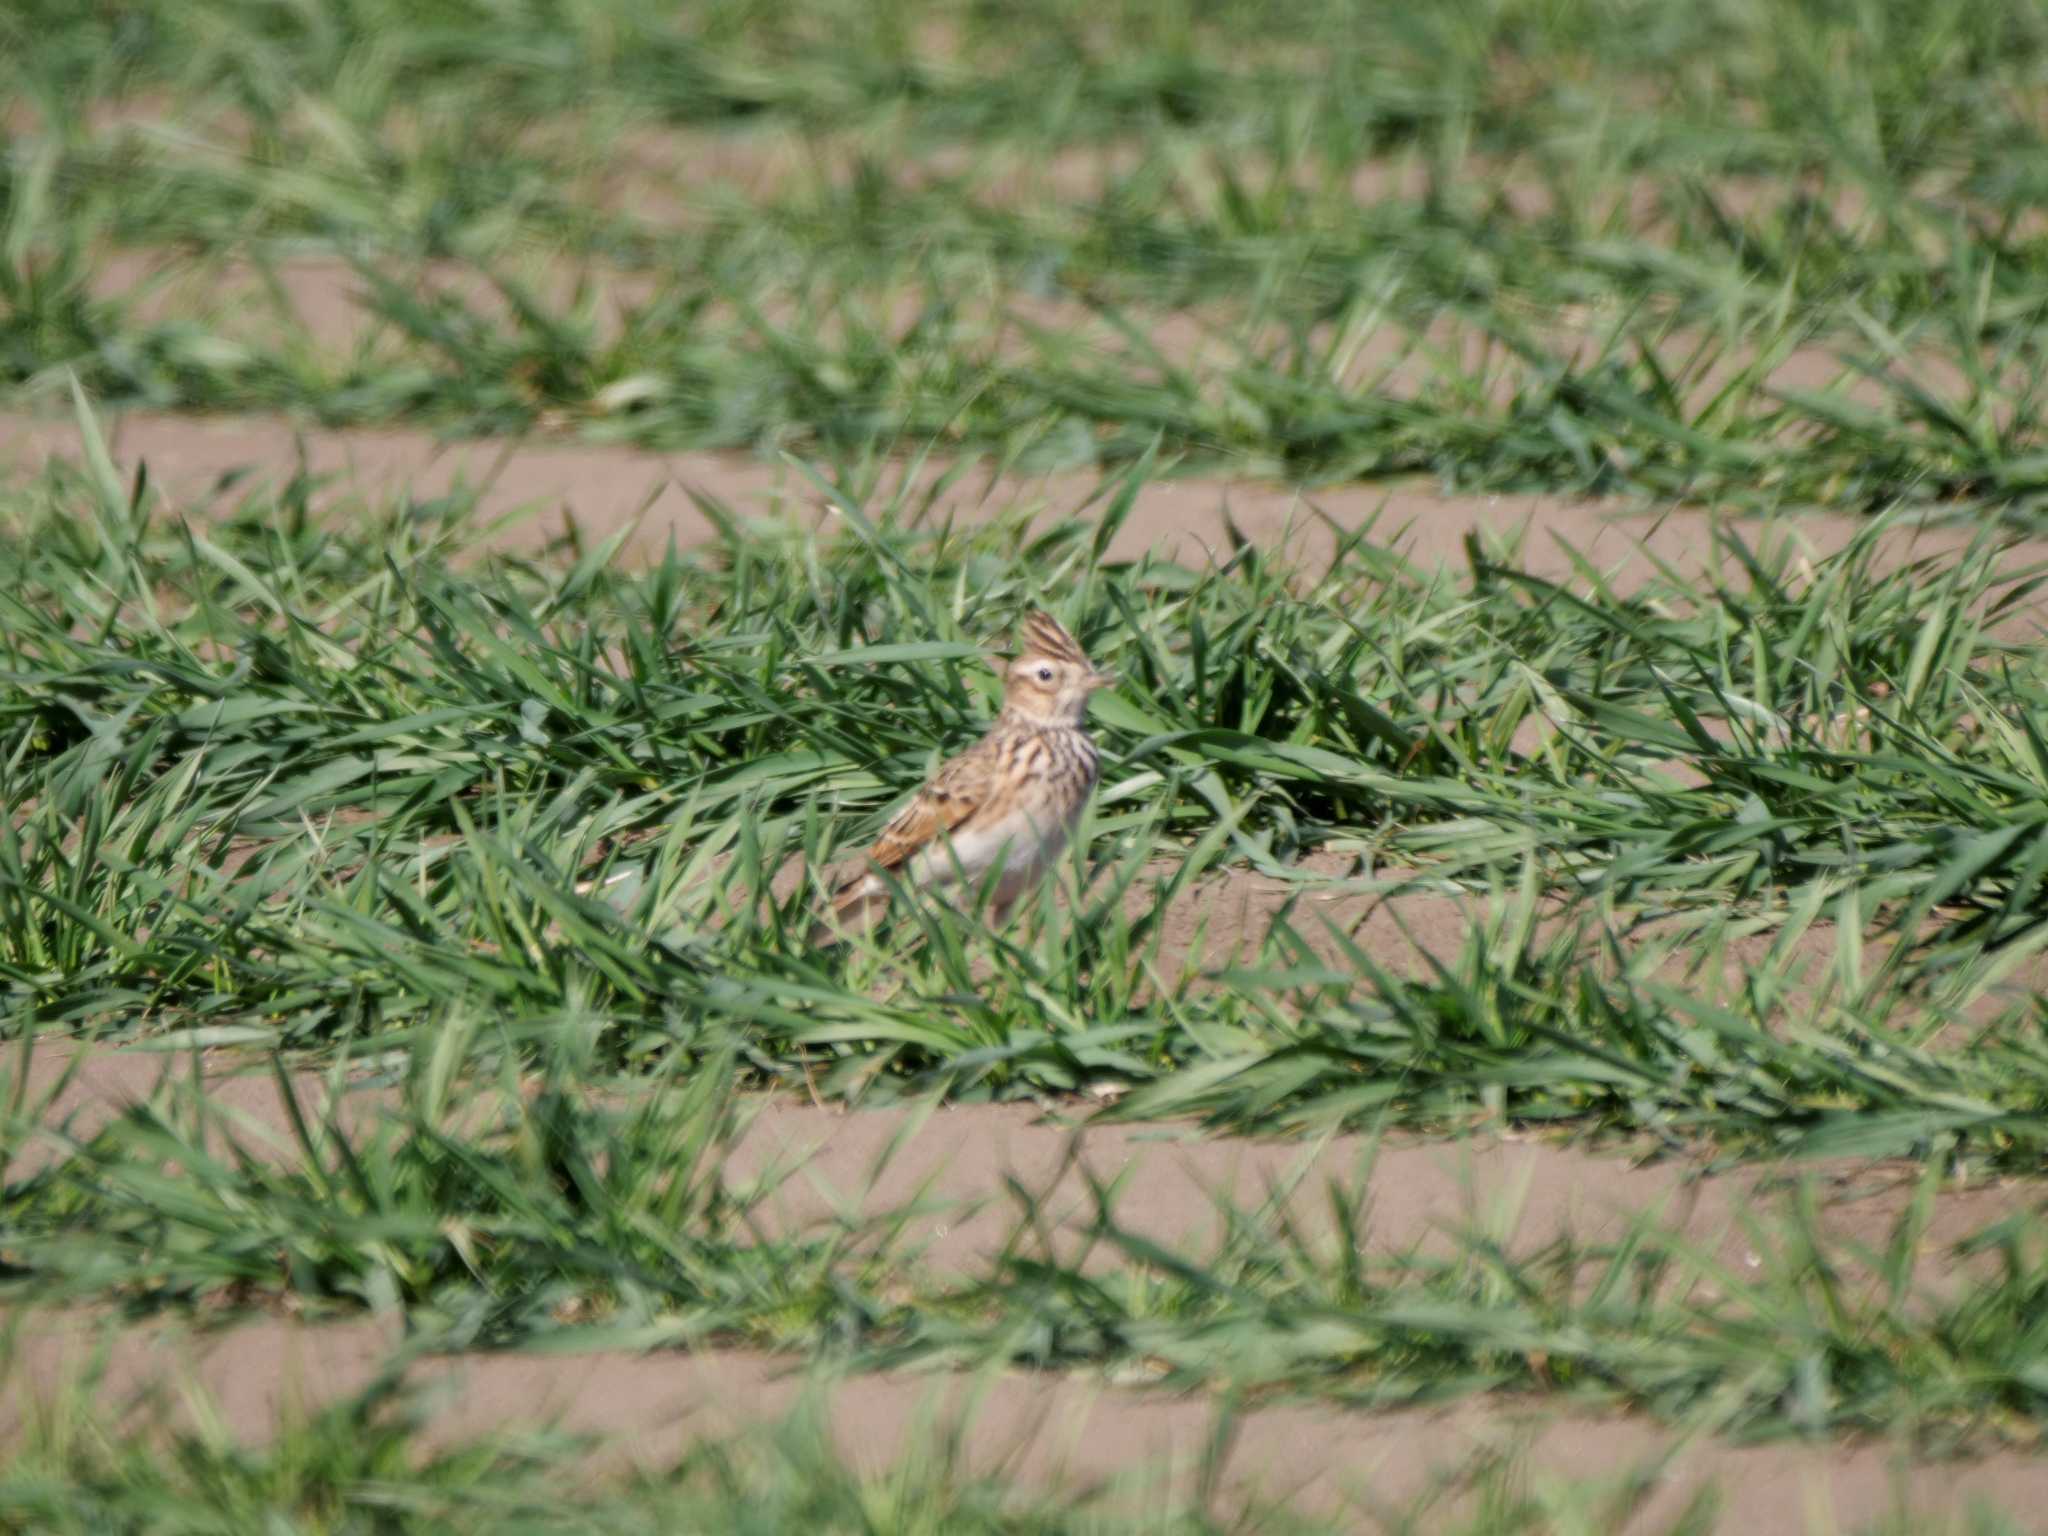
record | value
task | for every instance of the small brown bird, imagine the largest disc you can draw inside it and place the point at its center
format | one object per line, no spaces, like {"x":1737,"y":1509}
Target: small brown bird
{"x":1012,"y":799}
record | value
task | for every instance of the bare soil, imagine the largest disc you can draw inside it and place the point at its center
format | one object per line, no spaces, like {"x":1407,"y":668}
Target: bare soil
{"x":1043,"y":1431}
{"x":547,"y":485}
{"x":676,"y":177}
{"x":965,"y":1180}
{"x":332,"y":307}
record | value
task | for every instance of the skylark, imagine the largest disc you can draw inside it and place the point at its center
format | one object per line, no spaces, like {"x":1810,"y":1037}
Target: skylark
{"x":1009,"y":802}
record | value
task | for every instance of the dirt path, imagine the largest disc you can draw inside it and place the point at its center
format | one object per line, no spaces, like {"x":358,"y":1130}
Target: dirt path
{"x":604,"y":489}
{"x":959,"y":1175}
{"x":1038,"y":1430}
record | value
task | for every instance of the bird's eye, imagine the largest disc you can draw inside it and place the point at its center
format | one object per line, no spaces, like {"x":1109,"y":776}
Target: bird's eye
{"x":1045,"y":674}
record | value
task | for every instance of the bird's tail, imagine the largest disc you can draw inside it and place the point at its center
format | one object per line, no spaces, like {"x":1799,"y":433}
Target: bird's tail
{"x":854,"y":907}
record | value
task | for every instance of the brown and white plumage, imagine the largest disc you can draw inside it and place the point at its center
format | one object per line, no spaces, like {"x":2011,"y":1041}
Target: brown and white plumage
{"x":1012,"y":798}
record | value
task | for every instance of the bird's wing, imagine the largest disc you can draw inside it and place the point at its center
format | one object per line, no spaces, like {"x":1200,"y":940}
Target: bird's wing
{"x":961,"y":787}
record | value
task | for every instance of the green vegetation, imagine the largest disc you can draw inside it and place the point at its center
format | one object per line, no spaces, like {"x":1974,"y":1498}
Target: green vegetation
{"x":289,"y":786}
{"x":334,"y":795}
{"x":1726,"y":253}
{"x":498,"y":870}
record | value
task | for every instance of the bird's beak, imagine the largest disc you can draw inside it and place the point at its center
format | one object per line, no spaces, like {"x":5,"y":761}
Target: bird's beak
{"x":1102,"y":680}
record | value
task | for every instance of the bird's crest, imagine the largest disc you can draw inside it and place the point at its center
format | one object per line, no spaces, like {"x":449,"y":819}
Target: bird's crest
{"x":1041,"y":635}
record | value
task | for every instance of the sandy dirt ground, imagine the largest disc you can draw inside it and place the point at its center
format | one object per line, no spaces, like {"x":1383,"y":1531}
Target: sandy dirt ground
{"x":678,"y":177}
{"x":1037,"y":1429}
{"x":958,"y":1177}
{"x":602,"y":490}
{"x":336,"y":309}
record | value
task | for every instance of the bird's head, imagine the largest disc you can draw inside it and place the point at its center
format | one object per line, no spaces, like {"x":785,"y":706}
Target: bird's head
{"x":1047,"y":679}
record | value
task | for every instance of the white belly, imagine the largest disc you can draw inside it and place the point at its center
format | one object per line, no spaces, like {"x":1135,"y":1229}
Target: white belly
{"x":1022,"y":845}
